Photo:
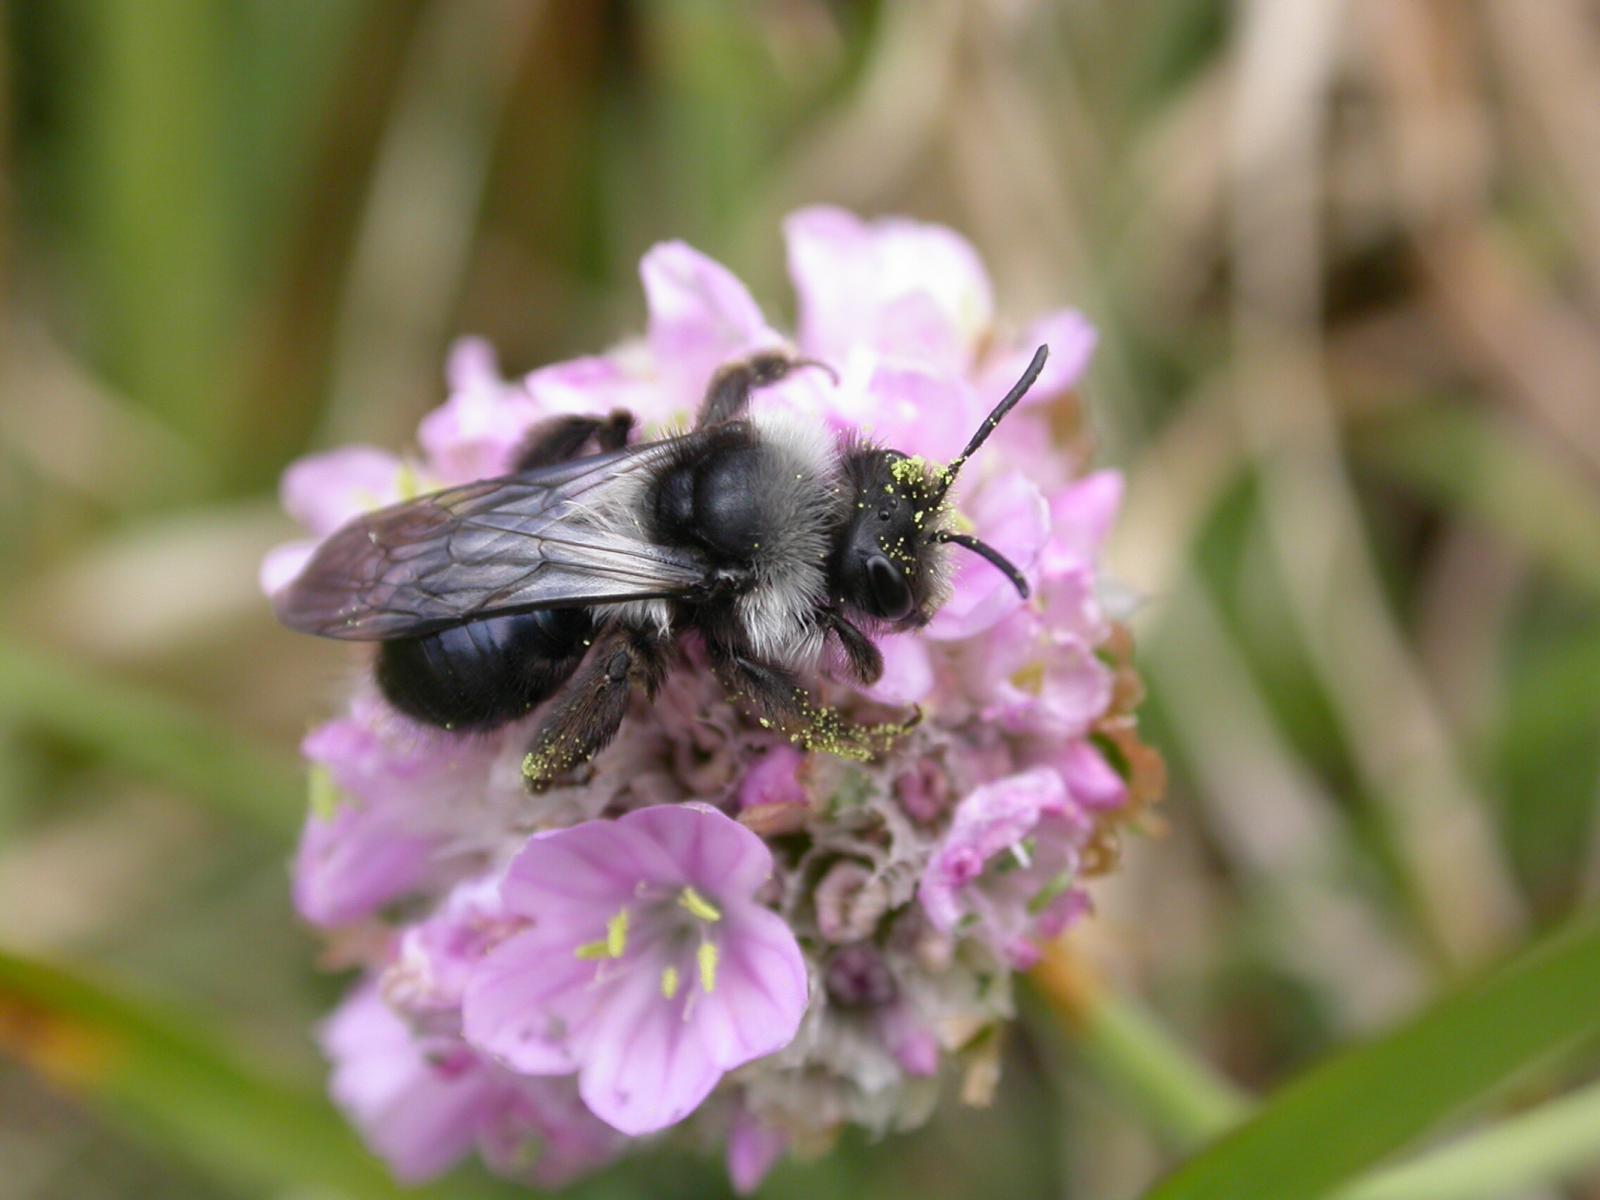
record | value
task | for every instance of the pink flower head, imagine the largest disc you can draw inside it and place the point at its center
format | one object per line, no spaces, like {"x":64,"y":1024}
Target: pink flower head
{"x":650,"y":970}
{"x":543,"y":986}
{"x":1008,"y":864}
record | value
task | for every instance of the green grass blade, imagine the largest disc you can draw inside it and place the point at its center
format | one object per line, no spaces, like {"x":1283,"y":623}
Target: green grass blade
{"x":153,"y":736}
{"x":1483,"y":466}
{"x":1534,"y":1149}
{"x":158,"y":1075}
{"x":1341,"y":1117}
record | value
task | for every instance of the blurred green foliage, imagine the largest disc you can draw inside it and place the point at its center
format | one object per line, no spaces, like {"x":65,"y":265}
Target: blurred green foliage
{"x":1346,"y":262}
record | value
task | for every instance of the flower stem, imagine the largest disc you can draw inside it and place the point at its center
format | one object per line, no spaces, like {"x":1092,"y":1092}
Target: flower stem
{"x":151,"y":735}
{"x":1541,"y":1146}
{"x":1185,"y":1099}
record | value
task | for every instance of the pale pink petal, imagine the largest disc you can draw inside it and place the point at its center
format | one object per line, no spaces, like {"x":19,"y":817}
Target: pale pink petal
{"x":910,"y":290}
{"x":419,"y":1115}
{"x":471,"y":363}
{"x":701,"y":316}
{"x":761,"y":990}
{"x":282,"y":563}
{"x":907,"y":672}
{"x":1093,"y":782}
{"x":351,"y":864}
{"x":1010,"y":514}
{"x":517,"y":1002}
{"x":323,"y":491}
{"x":707,"y":849}
{"x":645,"y":1066}
{"x":753,"y":1150}
{"x":1081,"y":514}
{"x":1071,"y":339}
{"x":476,"y":432}
{"x":910,"y":408}
{"x":774,"y":779}
{"x":587,"y":871}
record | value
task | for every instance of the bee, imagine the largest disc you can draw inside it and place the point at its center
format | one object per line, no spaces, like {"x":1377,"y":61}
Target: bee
{"x":572,"y":579}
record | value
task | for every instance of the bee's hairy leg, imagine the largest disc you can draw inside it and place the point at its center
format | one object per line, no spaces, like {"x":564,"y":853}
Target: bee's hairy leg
{"x":864,"y":660}
{"x":562,"y":438}
{"x":777,"y":694}
{"x":589,"y":711}
{"x":728,"y":394}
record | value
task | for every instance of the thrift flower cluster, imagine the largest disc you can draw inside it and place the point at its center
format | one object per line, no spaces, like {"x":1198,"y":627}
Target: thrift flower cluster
{"x":708,"y":926}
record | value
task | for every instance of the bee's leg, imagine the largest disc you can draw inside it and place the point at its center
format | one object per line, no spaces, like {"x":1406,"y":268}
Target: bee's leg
{"x":591,"y":707}
{"x":777,"y":694}
{"x":728,"y":394}
{"x":861,"y":656}
{"x":563,"y":438}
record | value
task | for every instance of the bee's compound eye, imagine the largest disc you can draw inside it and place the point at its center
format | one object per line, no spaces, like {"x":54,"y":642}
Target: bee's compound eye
{"x":891,"y":595}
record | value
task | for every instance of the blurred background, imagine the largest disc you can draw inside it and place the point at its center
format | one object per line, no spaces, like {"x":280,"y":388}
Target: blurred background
{"x":1345,"y":260}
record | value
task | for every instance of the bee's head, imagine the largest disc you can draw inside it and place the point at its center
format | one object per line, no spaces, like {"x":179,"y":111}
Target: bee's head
{"x":888,"y":560}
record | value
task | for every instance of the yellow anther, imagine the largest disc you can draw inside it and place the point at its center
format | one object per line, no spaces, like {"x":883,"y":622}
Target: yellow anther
{"x":610,"y":946}
{"x":617,"y":934}
{"x":698,"y":906}
{"x":706,"y":956}
{"x":669,"y":982}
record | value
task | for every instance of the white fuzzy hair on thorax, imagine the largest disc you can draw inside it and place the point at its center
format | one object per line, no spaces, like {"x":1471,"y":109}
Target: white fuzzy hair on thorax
{"x":799,"y":503}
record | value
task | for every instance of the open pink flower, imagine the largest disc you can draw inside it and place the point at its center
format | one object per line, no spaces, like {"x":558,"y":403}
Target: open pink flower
{"x":1007,"y":867}
{"x":649,"y":969}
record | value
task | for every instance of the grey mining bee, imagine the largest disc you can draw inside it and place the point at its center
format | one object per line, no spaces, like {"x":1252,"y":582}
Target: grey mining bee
{"x":571,"y":579}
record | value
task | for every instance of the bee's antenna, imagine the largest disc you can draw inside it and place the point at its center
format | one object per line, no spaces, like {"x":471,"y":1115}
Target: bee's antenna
{"x":1003,"y":564}
{"x":1017,"y":392}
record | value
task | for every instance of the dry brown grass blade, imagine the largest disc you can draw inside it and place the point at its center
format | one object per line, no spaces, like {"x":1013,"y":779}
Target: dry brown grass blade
{"x":1528,"y":343}
{"x":1289,"y":54}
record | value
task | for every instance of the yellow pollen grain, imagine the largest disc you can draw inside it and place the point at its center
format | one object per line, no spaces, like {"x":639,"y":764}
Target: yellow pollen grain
{"x":698,"y":906}
{"x":669,"y":982}
{"x":706,"y":957}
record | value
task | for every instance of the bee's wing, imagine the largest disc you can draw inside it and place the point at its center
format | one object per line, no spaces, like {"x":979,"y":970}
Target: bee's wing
{"x":556,"y":537}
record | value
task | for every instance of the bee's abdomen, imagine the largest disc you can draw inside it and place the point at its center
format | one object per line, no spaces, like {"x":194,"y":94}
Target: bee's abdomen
{"x":484,"y":673}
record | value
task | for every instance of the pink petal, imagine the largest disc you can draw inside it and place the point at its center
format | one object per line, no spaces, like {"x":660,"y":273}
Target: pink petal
{"x":471,"y":363}
{"x":908,"y":289}
{"x":701,"y":316}
{"x":1072,"y":340}
{"x":913,"y":409}
{"x":907,"y":672}
{"x":323,"y":491}
{"x":774,"y":779}
{"x":708,"y":850}
{"x":1011,"y":515}
{"x":1093,"y":782}
{"x":418,"y":1116}
{"x":282,"y":563}
{"x":1081,"y":514}
{"x":644,"y":1066}
{"x":516,"y":998}
{"x":761,"y":991}
{"x":352,"y":864}
{"x":753,"y":1150}
{"x":585,"y":873}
